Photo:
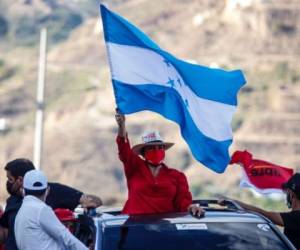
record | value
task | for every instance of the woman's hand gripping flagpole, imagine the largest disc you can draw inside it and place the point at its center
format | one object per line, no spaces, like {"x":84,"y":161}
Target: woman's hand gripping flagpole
{"x":120,"y":119}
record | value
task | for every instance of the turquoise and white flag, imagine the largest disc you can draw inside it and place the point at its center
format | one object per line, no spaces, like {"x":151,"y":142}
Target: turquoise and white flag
{"x":199,"y":99}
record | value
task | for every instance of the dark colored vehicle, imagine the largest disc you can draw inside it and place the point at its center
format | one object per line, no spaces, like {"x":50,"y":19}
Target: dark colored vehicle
{"x":221,"y":228}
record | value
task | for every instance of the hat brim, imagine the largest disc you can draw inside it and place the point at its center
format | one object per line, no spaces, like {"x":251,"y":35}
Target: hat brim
{"x":138,"y":148}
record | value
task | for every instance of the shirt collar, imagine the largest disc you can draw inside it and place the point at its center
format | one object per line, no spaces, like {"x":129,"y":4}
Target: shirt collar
{"x":32,"y":198}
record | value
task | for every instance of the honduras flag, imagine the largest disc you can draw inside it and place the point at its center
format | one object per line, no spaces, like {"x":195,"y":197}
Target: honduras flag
{"x":199,"y":99}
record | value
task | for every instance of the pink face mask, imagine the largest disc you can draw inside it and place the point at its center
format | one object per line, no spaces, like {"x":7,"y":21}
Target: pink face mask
{"x":155,"y":156}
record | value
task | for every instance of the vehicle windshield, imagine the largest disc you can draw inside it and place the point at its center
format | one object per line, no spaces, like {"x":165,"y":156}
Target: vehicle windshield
{"x":231,"y":236}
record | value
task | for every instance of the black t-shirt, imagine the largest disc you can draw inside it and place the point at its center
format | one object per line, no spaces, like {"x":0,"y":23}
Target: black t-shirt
{"x":60,"y":196}
{"x":291,"y":221}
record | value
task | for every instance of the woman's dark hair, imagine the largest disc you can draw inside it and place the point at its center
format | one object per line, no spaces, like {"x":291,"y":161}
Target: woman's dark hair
{"x":19,"y":167}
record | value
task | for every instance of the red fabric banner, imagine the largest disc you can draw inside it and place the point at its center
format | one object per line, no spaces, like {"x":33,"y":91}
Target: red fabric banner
{"x":263,"y":176}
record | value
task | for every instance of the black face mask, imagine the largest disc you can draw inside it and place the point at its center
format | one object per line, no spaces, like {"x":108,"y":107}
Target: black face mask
{"x":288,"y":201}
{"x":9,"y":188}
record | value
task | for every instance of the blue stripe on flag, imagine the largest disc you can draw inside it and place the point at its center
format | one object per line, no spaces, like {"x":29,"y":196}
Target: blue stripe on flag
{"x":122,"y":32}
{"x":167,"y":102}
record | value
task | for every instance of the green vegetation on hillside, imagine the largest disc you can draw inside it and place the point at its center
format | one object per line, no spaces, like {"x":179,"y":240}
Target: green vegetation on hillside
{"x":3,"y":26}
{"x":5,"y":71}
{"x":23,"y":29}
{"x":59,"y":25}
{"x":277,"y":74}
{"x":67,"y":89}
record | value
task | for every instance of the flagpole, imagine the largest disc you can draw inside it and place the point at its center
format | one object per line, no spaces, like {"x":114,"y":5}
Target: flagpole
{"x":39,"y":119}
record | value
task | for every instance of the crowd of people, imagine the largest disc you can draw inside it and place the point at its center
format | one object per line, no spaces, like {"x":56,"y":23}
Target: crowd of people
{"x":56,"y":195}
{"x":35,"y":210}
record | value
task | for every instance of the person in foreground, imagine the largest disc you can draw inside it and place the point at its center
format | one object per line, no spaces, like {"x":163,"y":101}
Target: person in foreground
{"x":60,"y":196}
{"x":289,"y":220}
{"x":152,"y":186}
{"x":36,"y":225}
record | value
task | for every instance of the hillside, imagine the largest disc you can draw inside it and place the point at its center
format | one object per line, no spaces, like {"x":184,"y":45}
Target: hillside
{"x":261,"y":37}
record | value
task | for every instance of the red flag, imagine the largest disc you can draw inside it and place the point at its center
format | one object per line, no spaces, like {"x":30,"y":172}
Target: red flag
{"x":263,"y":176}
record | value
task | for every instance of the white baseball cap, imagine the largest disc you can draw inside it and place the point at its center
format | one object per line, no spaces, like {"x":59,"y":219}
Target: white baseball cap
{"x":35,"y":180}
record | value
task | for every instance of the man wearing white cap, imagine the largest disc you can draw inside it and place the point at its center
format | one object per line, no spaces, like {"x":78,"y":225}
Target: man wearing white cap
{"x":36,"y":226}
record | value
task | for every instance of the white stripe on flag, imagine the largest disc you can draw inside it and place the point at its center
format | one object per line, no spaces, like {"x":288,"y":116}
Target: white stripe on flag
{"x":139,"y":66}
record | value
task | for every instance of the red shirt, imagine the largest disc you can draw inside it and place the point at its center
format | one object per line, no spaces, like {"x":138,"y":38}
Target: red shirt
{"x":167,"y":192}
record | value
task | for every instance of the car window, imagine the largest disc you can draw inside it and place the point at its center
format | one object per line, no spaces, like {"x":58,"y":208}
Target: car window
{"x":231,"y":236}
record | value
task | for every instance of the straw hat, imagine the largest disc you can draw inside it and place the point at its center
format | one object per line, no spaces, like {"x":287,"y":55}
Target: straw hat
{"x":151,"y":139}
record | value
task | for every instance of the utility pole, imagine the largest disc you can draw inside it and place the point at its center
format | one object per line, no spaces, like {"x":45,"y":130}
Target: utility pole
{"x":39,"y":119}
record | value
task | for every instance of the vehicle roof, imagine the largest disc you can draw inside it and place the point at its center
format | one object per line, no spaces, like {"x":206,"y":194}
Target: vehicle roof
{"x":109,"y":220}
